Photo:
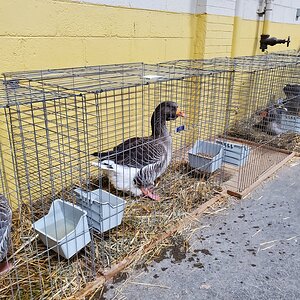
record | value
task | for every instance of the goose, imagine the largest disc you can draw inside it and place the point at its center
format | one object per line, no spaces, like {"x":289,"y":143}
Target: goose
{"x":133,"y":165}
{"x":271,"y":120}
{"x":5,"y":227}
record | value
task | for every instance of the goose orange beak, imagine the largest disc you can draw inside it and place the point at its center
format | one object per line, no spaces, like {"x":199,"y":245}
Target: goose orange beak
{"x":179,"y":113}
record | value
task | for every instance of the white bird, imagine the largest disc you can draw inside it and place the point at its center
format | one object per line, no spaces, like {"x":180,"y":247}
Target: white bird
{"x":5,"y":228}
{"x":133,"y":165}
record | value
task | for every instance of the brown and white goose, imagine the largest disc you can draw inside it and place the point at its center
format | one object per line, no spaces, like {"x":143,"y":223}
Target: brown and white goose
{"x":5,"y":227}
{"x":133,"y":165}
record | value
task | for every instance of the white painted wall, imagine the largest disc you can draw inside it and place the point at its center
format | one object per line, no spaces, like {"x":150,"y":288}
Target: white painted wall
{"x":247,"y":9}
{"x":178,"y":6}
{"x":220,"y":7}
{"x":283,"y":10}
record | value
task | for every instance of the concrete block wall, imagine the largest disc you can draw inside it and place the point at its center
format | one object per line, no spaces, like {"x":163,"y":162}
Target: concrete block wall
{"x":42,"y":34}
{"x":39,"y":34}
{"x":219,"y":34}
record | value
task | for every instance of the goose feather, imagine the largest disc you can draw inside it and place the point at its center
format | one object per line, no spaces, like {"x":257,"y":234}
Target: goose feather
{"x":138,"y":161}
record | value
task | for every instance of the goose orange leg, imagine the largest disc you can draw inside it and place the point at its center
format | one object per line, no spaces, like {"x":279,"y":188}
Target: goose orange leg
{"x":147,"y":192}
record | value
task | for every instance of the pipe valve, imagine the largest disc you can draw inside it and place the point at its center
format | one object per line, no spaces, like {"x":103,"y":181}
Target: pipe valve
{"x":266,"y":40}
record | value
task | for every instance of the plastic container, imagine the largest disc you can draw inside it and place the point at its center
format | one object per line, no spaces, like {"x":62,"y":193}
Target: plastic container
{"x":206,"y":156}
{"x":64,"y":229}
{"x":290,"y":123}
{"x":234,"y":154}
{"x":105,"y":210}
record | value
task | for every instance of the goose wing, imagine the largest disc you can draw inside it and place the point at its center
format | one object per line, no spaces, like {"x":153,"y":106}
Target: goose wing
{"x":136,"y":152}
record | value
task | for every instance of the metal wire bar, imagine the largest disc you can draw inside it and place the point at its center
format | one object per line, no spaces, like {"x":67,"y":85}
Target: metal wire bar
{"x":52,"y":121}
{"x":258,"y":85}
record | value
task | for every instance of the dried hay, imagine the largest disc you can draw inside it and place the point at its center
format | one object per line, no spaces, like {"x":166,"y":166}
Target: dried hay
{"x":41,"y":274}
{"x":244,"y":129}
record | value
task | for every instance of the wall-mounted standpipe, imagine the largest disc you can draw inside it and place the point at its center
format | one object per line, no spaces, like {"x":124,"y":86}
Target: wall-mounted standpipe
{"x":265,"y":9}
{"x":266,"y":40}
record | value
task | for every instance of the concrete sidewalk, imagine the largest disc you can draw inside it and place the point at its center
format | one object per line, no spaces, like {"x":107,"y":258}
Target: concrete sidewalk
{"x":250,"y":250}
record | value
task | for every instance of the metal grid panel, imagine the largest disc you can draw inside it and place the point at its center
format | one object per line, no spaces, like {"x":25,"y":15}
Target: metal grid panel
{"x":243,"y":63}
{"x":54,"y":120}
{"x":258,"y":108}
{"x":95,"y":79}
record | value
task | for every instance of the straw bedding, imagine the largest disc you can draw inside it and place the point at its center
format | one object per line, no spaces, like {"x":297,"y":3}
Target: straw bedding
{"x":244,"y":129}
{"x":40,"y":274}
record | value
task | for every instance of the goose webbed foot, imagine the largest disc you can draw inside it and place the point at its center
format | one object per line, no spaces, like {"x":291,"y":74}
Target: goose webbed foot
{"x":4,"y":267}
{"x":150,"y":194}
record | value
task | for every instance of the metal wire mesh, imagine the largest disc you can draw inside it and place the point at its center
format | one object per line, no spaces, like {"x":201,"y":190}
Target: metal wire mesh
{"x":53,"y":121}
{"x":264,"y":110}
{"x":240,"y":114}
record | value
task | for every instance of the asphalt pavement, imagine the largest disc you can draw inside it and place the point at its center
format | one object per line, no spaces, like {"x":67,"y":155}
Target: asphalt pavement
{"x":249,"y":250}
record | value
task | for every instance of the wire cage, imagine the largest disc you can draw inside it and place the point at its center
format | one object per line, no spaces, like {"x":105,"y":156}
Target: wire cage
{"x":264,"y":112}
{"x":290,"y":53}
{"x":78,"y":211}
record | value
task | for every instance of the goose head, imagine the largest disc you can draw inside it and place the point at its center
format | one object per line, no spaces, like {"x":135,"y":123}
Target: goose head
{"x":165,"y":111}
{"x":272,"y":112}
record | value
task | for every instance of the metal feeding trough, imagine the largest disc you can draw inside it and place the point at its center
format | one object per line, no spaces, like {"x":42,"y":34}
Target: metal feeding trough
{"x":290,"y":123}
{"x":64,"y":229}
{"x":206,"y":156}
{"x":234,"y":154}
{"x":105,"y":210}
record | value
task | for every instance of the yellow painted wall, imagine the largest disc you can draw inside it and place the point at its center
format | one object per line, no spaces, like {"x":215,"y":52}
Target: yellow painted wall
{"x":246,"y":36}
{"x":282,"y":30}
{"x":218,"y":38}
{"x":234,"y":36}
{"x":42,"y":34}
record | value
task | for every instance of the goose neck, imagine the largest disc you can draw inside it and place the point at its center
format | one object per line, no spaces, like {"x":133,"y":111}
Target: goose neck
{"x":158,"y":126}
